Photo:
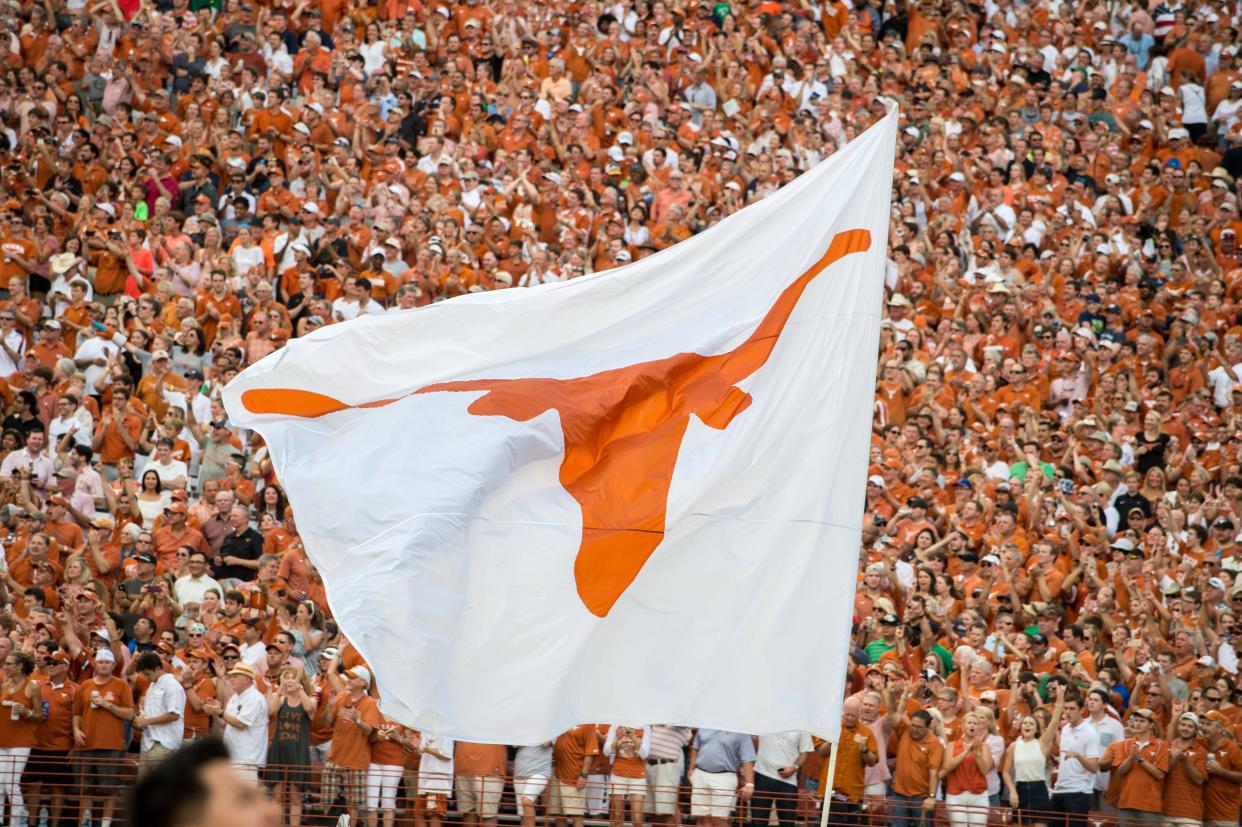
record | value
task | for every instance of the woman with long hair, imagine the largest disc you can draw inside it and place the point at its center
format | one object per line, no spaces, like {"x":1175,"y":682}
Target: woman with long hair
{"x":149,"y":502}
{"x":305,"y":625}
{"x":292,"y":705}
{"x":1025,"y":765}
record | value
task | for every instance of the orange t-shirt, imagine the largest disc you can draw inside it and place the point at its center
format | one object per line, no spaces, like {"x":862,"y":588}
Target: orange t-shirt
{"x":570,"y":749}
{"x":198,"y":724}
{"x":56,"y":731}
{"x":350,"y":747}
{"x":387,"y":752}
{"x":479,"y":759}
{"x":626,"y":761}
{"x":1221,"y":797}
{"x":103,"y":729}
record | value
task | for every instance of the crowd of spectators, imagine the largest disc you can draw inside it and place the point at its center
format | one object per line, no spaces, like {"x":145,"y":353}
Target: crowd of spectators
{"x":1047,"y":617}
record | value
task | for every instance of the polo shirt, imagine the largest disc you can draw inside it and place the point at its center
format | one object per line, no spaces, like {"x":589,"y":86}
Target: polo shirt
{"x":719,"y":751}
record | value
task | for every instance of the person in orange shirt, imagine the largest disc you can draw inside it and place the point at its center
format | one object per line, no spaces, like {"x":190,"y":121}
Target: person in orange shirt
{"x":1140,"y":765}
{"x":573,"y":752}
{"x":1222,"y":794}
{"x":627,"y":748}
{"x":103,"y":705}
{"x":858,"y":749}
{"x":1183,"y":785}
{"x":479,"y":782}
{"x":354,"y":716}
{"x":968,"y":760}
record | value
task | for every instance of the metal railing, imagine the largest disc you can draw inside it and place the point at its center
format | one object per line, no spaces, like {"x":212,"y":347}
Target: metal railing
{"x":67,"y":786}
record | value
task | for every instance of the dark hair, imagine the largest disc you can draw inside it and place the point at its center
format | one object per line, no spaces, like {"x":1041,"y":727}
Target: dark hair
{"x":25,"y":661}
{"x":173,"y":792}
{"x":922,"y":715}
{"x":148,"y":661}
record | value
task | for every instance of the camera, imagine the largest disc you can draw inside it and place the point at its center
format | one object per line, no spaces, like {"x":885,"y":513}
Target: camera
{"x":1066,"y":486}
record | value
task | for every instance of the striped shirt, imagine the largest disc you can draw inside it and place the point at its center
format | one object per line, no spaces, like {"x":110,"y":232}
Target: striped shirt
{"x":667,"y":743}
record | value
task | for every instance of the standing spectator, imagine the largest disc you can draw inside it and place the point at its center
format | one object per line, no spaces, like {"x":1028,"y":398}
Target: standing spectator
{"x":919,"y":756}
{"x":1222,"y":795}
{"x":1183,"y":784}
{"x":245,"y":720}
{"x":1109,"y":729}
{"x":240,"y":551}
{"x":435,"y":777}
{"x":966,"y":764}
{"x":103,"y":704}
{"x":532,"y":768}
{"x":572,"y":755}
{"x":48,"y":773}
{"x":1025,"y":765}
{"x":626,"y":750}
{"x":1079,"y":760}
{"x":1140,"y":764}
{"x":716,"y":758}
{"x":353,"y":715}
{"x":384,"y":773}
{"x":163,"y":705}
{"x":23,"y":711}
{"x":666,"y":760}
{"x":777,"y":762}
{"x":291,"y":705}
{"x":857,"y":751}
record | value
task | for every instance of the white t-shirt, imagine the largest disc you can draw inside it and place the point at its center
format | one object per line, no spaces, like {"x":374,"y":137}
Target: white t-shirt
{"x":779,"y":751}
{"x":91,"y":349}
{"x":248,"y":746}
{"x":173,"y":470}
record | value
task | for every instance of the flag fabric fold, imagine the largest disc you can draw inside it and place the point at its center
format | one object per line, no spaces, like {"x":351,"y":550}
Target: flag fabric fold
{"x":631,"y":497}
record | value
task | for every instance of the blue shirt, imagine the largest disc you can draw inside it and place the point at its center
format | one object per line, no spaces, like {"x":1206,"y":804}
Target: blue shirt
{"x":1140,"y":47}
{"x":720,"y":751}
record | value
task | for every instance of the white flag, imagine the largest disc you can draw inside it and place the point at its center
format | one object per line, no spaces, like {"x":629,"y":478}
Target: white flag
{"x":631,"y":497}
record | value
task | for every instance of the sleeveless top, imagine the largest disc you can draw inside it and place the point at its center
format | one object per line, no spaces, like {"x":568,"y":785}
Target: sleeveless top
{"x":1029,"y":761}
{"x":291,"y":737}
{"x":21,"y":732}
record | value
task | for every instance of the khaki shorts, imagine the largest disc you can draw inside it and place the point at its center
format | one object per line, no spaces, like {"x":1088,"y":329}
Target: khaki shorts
{"x":664,"y":786}
{"x":712,"y":794}
{"x":624,"y":787}
{"x":479,"y":794}
{"x":566,"y":800}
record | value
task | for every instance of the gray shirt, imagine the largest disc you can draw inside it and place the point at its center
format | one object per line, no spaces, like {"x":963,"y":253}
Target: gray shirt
{"x":720,"y":751}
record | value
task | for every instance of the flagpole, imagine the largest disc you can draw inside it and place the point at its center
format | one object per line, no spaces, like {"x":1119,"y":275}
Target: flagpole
{"x":832,"y":776}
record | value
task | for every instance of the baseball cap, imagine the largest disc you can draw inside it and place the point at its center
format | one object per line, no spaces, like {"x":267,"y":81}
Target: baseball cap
{"x":104,"y":656}
{"x":360,"y":672}
{"x":145,"y":558}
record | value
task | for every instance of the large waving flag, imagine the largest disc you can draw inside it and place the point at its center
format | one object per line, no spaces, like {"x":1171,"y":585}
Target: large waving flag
{"x":631,"y":497}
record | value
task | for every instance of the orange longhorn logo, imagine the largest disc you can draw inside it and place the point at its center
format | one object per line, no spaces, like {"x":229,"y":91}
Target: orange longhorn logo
{"x":622,"y":430}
